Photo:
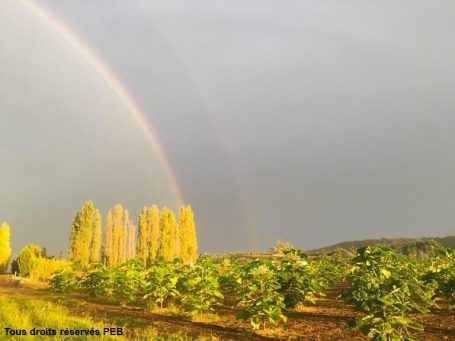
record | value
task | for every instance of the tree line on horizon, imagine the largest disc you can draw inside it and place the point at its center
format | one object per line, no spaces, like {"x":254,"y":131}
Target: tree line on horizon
{"x":159,"y":235}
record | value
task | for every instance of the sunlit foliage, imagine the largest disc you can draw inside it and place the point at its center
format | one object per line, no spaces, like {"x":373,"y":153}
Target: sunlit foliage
{"x":142,"y":251}
{"x":167,"y":241}
{"x":32,"y":262}
{"x":5,"y":249}
{"x":153,"y":232}
{"x":81,"y":235}
{"x":187,"y":230}
{"x":387,"y":289}
{"x":45,"y":267}
{"x":131,"y":240}
{"x":108,"y":250}
{"x":95,"y":245}
{"x":118,"y":236}
{"x":26,"y":260}
{"x":158,"y":235}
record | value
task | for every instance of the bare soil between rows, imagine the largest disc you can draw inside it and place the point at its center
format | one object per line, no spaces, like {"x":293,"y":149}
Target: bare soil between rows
{"x":326,"y":320}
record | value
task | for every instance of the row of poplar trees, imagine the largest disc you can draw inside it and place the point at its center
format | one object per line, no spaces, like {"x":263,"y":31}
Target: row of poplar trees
{"x":159,"y":234}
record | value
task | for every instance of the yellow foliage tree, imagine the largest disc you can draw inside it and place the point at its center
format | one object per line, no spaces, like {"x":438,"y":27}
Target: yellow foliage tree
{"x":177,"y":237}
{"x":131,"y":240}
{"x":81,"y":235}
{"x":122,"y":243}
{"x":119,"y":236}
{"x":142,"y":251}
{"x":167,"y":241}
{"x":95,"y":246}
{"x":153,"y":232}
{"x":108,"y":240}
{"x":5,"y":249}
{"x":130,"y":237}
{"x":26,"y":260}
{"x":32,"y":262}
{"x":187,"y":230}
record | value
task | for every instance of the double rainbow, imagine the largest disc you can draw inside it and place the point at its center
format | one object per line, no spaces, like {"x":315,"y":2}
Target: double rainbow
{"x":134,"y":109}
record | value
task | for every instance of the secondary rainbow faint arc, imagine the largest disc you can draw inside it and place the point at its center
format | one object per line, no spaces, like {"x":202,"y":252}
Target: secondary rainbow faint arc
{"x":210,"y":109}
{"x":112,"y":81}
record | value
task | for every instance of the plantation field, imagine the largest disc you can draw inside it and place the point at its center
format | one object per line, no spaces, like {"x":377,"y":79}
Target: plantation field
{"x":325,"y":320}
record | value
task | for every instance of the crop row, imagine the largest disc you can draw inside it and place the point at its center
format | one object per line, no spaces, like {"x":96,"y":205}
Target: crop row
{"x":386,"y":286}
{"x":389,"y":288}
{"x":261,"y":290}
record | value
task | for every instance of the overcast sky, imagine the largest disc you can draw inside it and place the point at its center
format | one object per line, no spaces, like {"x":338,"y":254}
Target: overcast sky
{"x":312,"y":122}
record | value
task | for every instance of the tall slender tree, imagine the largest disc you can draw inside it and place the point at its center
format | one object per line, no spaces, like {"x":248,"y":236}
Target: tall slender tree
{"x":108,"y":256}
{"x":95,"y":246}
{"x":5,"y":249}
{"x":129,"y":228}
{"x":177,"y":237}
{"x":131,"y":249}
{"x":153,"y":234}
{"x":122,"y":243}
{"x":188,"y":240}
{"x":81,"y":235}
{"x":167,"y":241}
{"x":74,"y":237}
{"x":118,"y":235}
{"x":142,"y":244}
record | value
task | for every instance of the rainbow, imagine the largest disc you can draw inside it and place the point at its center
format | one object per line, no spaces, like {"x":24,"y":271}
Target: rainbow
{"x":137,"y":113}
{"x":115,"y":85}
{"x":211,"y":111}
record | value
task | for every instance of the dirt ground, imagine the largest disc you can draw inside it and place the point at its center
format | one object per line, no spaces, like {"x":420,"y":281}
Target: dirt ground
{"x":324,"y":321}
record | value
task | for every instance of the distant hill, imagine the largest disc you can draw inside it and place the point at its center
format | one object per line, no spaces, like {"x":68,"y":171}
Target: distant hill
{"x":448,"y":241}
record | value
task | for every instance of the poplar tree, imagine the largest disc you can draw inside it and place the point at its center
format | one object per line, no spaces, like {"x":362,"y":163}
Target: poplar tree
{"x":5,"y":249}
{"x":187,"y":229}
{"x":177,"y":237}
{"x":122,"y":243}
{"x":118,"y":232}
{"x":142,"y":243}
{"x":153,"y":232}
{"x":129,"y":235}
{"x":167,"y":241}
{"x":74,"y":237}
{"x":131,"y":250}
{"x":81,"y":235}
{"x":96,"y":238}
{"x":108,"y":240}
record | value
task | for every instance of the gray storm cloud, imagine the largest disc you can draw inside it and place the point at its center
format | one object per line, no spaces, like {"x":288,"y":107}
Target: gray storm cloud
{"x":307,"y":121}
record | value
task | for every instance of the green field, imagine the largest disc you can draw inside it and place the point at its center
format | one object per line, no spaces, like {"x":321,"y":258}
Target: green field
{"x":380,"y":293}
